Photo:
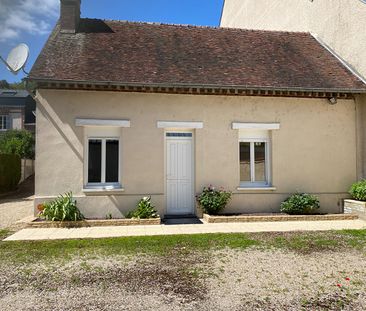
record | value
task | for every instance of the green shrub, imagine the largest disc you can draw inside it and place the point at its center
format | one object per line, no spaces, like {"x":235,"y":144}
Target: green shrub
{"x":358,"y":190}
{"x":300,"y":204}
{"x":213,"y":201}
{"x":10,"y":171}
{"x":20,"y":142}
{"x":63,"y":208}
{"x":144,"y":210}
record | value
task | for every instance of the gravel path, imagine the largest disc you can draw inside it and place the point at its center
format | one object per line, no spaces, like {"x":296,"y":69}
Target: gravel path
{"x":17,"y":206}
{"x":249,"y":279}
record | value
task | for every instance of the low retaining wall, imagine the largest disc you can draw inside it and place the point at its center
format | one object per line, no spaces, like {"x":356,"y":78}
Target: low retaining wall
{"x":93,"y":223}
{"x":267,"y":218}
{"x":355,"y":207}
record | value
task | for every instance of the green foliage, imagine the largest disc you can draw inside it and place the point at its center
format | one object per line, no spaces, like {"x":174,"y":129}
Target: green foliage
{"x":144,"y":210}
{"x":213,"y":201}
{"x":10,"y":171}
{"x":63,"y":208}
{"x":12,"y":86}
{"x":4,"y":84}
{"x":358,"y":190}
{"x":300,"y":204}
{"x":20,"y":142}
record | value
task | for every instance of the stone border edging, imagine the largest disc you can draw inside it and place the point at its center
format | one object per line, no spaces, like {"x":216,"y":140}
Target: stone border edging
{"x":94,"y":223}
{"x":355,"y":207}
{"x":255,"y":218}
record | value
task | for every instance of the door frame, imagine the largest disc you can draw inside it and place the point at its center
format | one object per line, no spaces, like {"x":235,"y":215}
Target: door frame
{"x":193,"y":168}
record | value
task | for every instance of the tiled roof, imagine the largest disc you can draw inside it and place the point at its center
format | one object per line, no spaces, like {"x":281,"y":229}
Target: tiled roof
{"x":156,"y":54}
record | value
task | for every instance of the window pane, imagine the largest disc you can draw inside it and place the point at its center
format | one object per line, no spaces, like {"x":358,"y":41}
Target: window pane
{"x":245,"y":162}
{"x":111,"y":174}
{"x":3,"y":122}
{"x":260,"y":161}
{"x":95,"y":161}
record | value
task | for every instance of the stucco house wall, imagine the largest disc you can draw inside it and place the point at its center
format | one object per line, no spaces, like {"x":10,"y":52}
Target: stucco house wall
{"x":313,"y":151}
{"x":339,"y":23}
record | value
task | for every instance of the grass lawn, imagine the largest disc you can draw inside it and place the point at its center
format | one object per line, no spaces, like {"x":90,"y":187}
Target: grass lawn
{"x":259,"y":271}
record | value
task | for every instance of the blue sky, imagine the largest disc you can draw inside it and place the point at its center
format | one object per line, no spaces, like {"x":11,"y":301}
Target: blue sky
{"x":30,"y":21}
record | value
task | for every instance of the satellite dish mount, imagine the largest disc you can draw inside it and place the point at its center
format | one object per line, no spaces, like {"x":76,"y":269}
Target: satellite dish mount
{"x":17,"y":59}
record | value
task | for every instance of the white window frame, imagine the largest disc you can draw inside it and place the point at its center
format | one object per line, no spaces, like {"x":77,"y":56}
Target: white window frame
{"x":5,"y":120}
{"x":252,"y":183}
{"x":103,"y":184}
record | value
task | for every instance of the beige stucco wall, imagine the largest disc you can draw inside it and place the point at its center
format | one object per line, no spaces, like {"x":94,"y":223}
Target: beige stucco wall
{"x":314,"y":150}
{"x":339,"y":23}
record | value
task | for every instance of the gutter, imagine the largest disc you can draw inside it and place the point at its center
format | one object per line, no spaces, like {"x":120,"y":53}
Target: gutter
{"x":200,"y":86}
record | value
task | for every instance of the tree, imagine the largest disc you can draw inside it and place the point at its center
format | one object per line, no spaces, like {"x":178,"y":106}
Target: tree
{"x":20,"y":142}
{"x":4,"y":84}
{"x":17,"y":85}
{"x":12,"y":86}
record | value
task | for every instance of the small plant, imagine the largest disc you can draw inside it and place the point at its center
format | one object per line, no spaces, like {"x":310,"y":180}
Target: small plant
{"x":300,"y":204}
{"x":358,"y":190}
{"x":109,"y":216}
{"x":213,"y":200}
{"x":144,"y":210}
{"x":63,"y":208}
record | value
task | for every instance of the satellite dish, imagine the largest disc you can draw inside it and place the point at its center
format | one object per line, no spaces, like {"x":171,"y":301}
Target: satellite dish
{"x":17,"y":58}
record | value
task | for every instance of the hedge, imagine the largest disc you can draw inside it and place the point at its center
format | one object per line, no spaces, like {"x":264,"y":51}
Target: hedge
{"x":10,"y":172}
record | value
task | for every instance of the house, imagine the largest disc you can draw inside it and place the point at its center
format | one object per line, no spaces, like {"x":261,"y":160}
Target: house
{"x":126,"y":110}
{"x":17,"y":109}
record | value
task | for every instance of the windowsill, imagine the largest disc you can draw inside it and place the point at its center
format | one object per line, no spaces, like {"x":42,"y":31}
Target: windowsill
{"x":103,"y":190}
{"x":256,"y":188}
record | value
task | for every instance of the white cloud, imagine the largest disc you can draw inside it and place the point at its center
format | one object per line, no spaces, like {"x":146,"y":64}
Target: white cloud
{"x":26,"y":16}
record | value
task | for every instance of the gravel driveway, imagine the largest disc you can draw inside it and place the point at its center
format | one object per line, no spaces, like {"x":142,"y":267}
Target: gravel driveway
{"x":17,"y":206}
{"x":251,"y":279}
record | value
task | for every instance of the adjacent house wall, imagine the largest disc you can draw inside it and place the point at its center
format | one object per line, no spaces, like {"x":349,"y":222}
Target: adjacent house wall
{"x":313,"y":151}
{"x":339,"y":23}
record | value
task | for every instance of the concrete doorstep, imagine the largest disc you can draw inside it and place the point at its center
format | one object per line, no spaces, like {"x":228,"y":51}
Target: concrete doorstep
{"x":150,"y":230}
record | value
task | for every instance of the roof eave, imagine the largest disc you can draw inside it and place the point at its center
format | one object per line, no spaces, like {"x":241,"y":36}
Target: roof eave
{"x":204,"y":86}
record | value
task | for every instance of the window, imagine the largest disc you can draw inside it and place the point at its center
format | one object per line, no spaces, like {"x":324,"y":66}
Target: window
{"x":3,"y":122}
{"x":103,"y":162}
{"x":254,"y":163}
{"x":254,"y":158}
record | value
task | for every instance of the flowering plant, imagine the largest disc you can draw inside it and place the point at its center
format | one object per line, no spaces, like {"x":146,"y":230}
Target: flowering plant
{"x":213,"y":200}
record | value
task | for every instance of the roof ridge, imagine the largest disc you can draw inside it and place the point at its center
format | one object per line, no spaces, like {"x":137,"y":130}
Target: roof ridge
{"x":195,"y":26}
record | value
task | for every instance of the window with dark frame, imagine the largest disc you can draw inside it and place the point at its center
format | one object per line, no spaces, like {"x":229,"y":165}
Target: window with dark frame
{"x":3,"y":122}
{"x":103,"y":161}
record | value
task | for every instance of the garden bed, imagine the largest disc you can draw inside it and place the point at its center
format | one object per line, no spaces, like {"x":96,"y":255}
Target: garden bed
{"x":39,"y":223}
{"x":274,"y":217}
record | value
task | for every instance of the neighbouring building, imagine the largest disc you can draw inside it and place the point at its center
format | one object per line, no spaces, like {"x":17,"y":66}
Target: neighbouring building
{"x":126,"y":110}
{"x":17,"y":110}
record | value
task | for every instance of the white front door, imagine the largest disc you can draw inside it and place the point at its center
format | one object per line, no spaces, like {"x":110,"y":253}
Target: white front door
{"x":179,"y":161}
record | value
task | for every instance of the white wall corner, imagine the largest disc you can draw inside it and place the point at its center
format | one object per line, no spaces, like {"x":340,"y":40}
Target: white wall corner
{"x":180,"y":124}
{"x":102,"y":122}
{"x":255,"y":126}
